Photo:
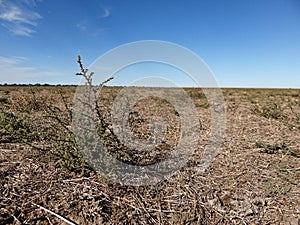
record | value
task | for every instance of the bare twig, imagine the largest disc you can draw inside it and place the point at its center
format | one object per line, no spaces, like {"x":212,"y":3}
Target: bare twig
{"x":87,"y":77}
{"x":89,"y":83}
{"x":55,"y":214}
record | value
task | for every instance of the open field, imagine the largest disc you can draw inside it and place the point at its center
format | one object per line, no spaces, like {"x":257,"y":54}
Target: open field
{"x":255,"y":178}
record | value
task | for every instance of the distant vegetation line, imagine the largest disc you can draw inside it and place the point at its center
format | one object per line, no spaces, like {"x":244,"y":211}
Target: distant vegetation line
{"x":118,"y":86}
{"x":36,"y":84}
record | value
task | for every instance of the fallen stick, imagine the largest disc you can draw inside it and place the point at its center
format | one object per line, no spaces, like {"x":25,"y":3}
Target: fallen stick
{"x":54,"y":214}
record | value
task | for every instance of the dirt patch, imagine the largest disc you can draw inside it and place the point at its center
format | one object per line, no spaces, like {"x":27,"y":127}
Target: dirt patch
{"x":255,"y":179}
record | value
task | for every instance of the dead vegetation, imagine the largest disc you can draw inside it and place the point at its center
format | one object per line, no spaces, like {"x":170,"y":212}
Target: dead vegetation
{"x":255,"y":179}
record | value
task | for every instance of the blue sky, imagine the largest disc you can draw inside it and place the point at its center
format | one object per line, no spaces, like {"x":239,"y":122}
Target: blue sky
{"x":246,"y":43}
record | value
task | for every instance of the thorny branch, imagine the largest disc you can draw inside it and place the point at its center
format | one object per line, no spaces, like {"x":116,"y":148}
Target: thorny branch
{"x":88,"y":77}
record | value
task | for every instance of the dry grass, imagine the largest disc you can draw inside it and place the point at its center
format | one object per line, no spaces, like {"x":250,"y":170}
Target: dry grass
{"x":245,"y":184}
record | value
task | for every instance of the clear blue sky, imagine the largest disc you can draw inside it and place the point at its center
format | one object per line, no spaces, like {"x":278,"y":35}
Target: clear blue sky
{"x":246,"y":43}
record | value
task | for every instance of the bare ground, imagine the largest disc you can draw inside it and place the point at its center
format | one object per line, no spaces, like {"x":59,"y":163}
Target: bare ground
{"x":255,"y":179}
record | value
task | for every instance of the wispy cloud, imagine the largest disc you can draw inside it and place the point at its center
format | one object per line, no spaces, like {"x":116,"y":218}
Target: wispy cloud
{"x":82,"y":25}
{"x":91,"y":25}
{"x":106,"y":13}
{"x":18,"y":17}
{"x":87,"y":27}
{"x":12,"y":70}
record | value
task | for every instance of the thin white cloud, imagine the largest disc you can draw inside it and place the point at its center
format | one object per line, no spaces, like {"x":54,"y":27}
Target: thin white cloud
{"x":88,"y":26}
{"x":17,"y":16}
{"x":106,"y":13}
{"x":30,"y":2}
{"x":19,"y":29}
{"x":10,"y":60}
{"x":82,"y":25}
{"x":12,"y":70}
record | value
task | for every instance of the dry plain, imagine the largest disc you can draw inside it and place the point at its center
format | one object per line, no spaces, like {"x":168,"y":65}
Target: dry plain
{"x":255,"y":178}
